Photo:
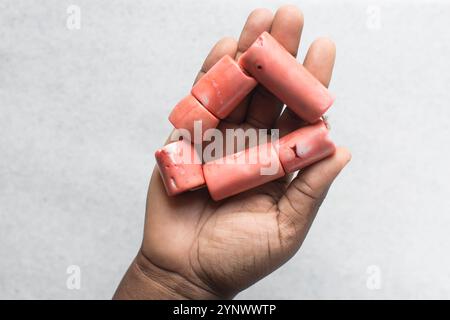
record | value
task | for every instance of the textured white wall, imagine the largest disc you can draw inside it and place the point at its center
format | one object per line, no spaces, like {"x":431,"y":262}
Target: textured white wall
{"x":82,"y":111}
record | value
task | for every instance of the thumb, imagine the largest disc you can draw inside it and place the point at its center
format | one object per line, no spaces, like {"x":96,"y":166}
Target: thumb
{"x":302,"y":199}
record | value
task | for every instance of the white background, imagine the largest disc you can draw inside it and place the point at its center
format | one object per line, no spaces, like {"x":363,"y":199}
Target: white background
{"x":82,"y":111}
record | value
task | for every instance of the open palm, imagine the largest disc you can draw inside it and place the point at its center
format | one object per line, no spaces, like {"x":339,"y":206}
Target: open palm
{"x":220,"y":248}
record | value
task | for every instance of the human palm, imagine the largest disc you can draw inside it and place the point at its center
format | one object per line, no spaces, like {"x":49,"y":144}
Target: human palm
{"x":223,"y":247}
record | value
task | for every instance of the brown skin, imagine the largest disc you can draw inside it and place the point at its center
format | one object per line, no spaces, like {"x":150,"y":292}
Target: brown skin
{"x":195,"y":248}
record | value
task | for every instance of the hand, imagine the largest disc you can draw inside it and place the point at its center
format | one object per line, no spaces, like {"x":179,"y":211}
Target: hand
{"x":194,"y":247}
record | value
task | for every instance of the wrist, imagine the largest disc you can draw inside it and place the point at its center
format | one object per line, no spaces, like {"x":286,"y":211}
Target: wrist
{"x":146,"y":281}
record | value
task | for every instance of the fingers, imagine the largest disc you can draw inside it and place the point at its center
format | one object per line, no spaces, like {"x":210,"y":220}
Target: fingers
{"x":223,"y":47}
{"x":287,"y":26}
{"x":258,"y":21}
{"x":320,"y":58}
{"x":320,"y":62}
{"x":305,"y":194}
